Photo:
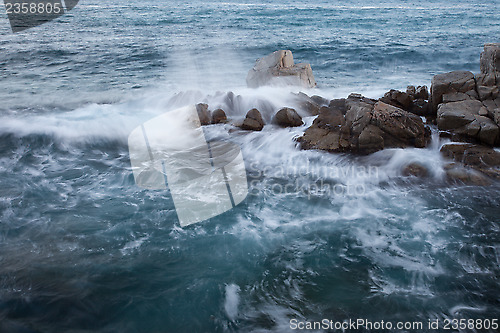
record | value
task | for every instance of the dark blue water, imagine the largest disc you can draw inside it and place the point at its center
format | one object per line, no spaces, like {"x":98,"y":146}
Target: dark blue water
{"x":83,"y":249}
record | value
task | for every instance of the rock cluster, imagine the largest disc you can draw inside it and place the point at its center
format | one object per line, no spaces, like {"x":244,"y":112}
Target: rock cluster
{"x":467,"y":105}
{"x":361,"y":125}
{"x":414,"y":100}
{"x":278,"y":68}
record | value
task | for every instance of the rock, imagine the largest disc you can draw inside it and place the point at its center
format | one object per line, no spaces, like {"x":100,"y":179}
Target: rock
{"x":488,"y":79}
{"x":421,"y":108}
{"x":287,"y":117}
{"x":363,"y":126}
{"x":480,"y":158}
{"x":203,"y":113}
{"x":416,"y":170}
{"x":411,"y":91}
{"x":463,"y":118}
{"x":458,"y":174}
{"x":456,"y":97}
{"x":253,"y":121}
{"x":279,"y":68}
{"x":453,"y":82}
{"x":398,"y":99}
{"x":219,"y":117}
{"x":490,"y":59}
{"x":485,"y":92}
{"x":307,"y":104}
{"x":422,"y":93}
{"x":403,"y":127}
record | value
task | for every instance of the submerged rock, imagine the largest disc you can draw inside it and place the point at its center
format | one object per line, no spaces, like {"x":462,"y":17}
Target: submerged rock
{"x":287,"y":117}
{"x":415,"y":170}
{"x":480,"y":158}
{"x":253,"y":121}
{"x":279,"y":68}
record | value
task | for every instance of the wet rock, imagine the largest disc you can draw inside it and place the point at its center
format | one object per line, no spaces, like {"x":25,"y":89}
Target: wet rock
{"x":411,"y":91}
{"x":287,"y":117}
{"x":447,"y":83}
{"x":307,"y":104}
{"x":219,"y":117}
{"x":361,"y":125}
{"x":478,"y":157}
{"x":421,"y":107}
{"x":490,"y":59}
{"x":457,"y":174}
{"x":464,"y":118}
{"x":278,"y":68}
{"x":253,"y":121}
{"x":203,"y":113}
{"x":415,"y":170}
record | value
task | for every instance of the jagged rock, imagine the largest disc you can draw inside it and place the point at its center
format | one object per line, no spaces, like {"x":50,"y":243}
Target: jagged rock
{"x":421,"y":108}
{"x":485,"y":92}
{"x":279,"y":68}
{"x":490,"y":59}
{"x":453,"y":82}
{"x":415,"y":170}
{"x":398,"y":99}
{"x":203,"y":113}
{"x":361,"y":125}
{"x":464,"y":118}
{"x":411,"y":91}
{"x":481,"y":158}
{"x":287,"y":117}
{"x":422,"y":93}
{"x":253,"y":121}
{"x":219,"y":116}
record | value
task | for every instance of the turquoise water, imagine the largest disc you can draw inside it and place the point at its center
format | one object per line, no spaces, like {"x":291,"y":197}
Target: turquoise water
{"x":83,"y":249}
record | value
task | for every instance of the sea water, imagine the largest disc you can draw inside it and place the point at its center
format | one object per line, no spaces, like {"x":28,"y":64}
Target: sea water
{"x":320,"y":236}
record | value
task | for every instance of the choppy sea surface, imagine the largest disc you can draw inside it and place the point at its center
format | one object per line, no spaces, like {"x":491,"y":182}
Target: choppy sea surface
{"x":83,"y":249}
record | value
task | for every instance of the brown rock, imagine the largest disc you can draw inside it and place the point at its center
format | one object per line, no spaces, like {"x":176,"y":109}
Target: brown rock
{"x":481,"y":158}
{"x":490,"y":58}
{"x":464,"y":118}
{"x":415,"y":170}
{"x":287,"y":117}
{"x":219,"y":116}
{"x":458,"y":81}
{"x":398,"y":99}
{"x":253,"y":121}
{"x":203,"y":113}
{"x":422,"y":93}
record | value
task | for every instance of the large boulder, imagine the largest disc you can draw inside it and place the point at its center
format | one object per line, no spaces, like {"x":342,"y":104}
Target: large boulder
{"x":448,"y":83}
{"x":279,"y":68}
{"x":253,"y":121}
{"x":287,"y":117}
{"x":468,"y":118}
{"x":361,"y":125}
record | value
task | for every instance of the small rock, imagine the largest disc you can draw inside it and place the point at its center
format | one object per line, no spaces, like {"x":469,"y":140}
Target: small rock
{"x":219,"y":116}
{"x":411,"y":91}
{"x":287,"y":117}
{"x":415,"y":170}
{"x":203,"y":113}
{"x":422,"y":93}
{"x":253,"y":121}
